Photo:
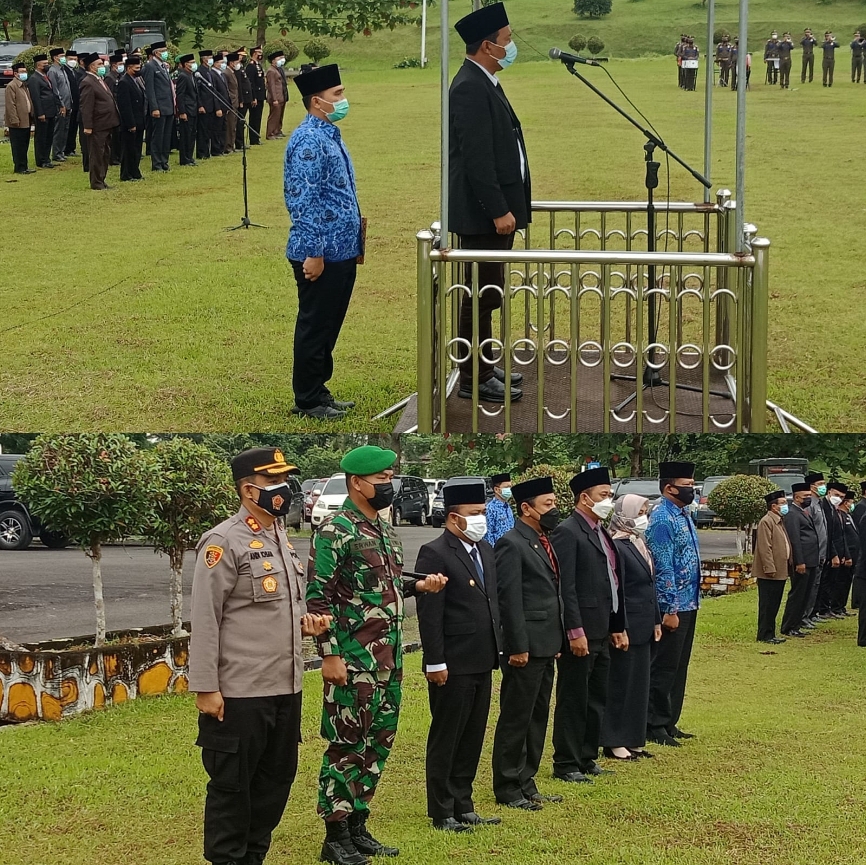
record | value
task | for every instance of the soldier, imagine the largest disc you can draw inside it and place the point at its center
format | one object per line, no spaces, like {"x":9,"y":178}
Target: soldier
{"x":828,"y":64}
{"x":808,"y":43}
{"x":735,"y":56}
{"x":678,"y":50}
{"x":771,"y":58}
{"x":784,"y":49}
{"x":246,"y":662}
{"x":857,"y":57}
{"x":355,"y":575}
{"x":723,"y":58}
{"x":256,"y":77}
{"x":690,"y":54}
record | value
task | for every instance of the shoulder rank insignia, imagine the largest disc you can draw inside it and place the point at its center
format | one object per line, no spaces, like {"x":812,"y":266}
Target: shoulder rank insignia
{"x":256,"y":545}
{"x":269,"y":584}
{"x":267,"y":565}
{"x":253,"y":523}
{"x":212,"y":555}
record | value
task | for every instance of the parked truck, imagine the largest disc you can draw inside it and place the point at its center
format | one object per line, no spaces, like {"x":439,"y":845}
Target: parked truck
{"x":138,"y":34}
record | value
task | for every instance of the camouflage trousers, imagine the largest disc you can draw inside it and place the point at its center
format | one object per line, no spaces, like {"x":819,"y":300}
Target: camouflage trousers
{"x":359,"y":720}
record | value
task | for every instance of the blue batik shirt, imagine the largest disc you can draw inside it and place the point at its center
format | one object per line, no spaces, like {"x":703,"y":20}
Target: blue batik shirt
{"x":319,"y":185}
{"x":673,"y":541}
{"x":500,"y":520}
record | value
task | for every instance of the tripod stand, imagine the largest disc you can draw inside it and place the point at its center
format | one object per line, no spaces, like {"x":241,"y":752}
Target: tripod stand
{"x":245,"y":219}
{"x":651,"y":376}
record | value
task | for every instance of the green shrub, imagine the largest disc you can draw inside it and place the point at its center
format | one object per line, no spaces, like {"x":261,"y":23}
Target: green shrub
{"x":285,"y":45}
{"x":317,"y":49}
{"x":561,"y":476}
{"x":409,"y":63}
{"x":739,"y":501}
{"x":592,"y":8}
{"x":595,"y":45}
{"x":28,"y":55}
{"x":577,"y":43}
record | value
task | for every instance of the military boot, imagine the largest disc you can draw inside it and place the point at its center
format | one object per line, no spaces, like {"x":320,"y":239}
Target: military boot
{"x":338,"y":847}
{"x":362,"y":839}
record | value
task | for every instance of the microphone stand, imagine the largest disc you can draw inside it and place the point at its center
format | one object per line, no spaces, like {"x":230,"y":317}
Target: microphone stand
{"x":651,"y":376}
{"x":245,"y":219}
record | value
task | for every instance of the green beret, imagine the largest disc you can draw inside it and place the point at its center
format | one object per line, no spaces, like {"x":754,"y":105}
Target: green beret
{"x":367,"y":460}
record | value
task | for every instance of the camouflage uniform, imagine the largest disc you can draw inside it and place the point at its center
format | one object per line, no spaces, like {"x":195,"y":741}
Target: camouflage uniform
{"x":355,"y":575}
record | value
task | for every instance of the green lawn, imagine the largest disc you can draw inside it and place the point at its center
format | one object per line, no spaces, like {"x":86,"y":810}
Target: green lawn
{"x":775,"y":775}
{"x":193,"y":330}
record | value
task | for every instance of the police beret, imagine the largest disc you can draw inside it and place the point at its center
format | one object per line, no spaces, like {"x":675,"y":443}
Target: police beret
{"x":676,"y":470}
{"x":185,"y":58}
{"x":800,"y":488}
{"x":317,"y":80}
{"x":532,"y":488}
{"x":40,"y":57}
{"x":55,"y":51}
{"x":840,"y":488}
{"x":773,"y":497}
{"x":274,"y":54}
{"x":482,"y":23}
{"x":464,"y":493}
{"x":495,"y":480}
{"x":589,"y":478}
{"x":813,"y":477}
{"x":155,"y":45}
{"x":367,"y":460}
{"x":260,"y":461}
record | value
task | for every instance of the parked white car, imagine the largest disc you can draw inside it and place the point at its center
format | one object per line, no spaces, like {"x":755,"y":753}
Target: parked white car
{"x":332,"y":497}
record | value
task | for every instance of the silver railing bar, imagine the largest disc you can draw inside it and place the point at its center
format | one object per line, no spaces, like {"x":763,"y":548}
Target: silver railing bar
{"x":573,"y":256}
{"x":623,"y":206}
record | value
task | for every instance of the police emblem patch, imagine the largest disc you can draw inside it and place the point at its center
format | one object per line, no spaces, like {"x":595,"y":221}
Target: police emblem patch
{"x":278,"y":502}
{"x":212,"y":555}
{"x":269,"y":584}
{"x":256,"y":545}
{"x":278,"y":456}
{"x":267,"y":565}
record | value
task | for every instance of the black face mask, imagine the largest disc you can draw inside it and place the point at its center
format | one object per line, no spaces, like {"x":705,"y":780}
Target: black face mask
{"x":549,"y":520}
{"x":383,"y":496}
{"x":686,"y":495}
{"x":806,"y":503}
{"x":275,"y":500}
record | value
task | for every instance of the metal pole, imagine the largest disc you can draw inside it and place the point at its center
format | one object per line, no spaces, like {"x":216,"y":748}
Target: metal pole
{"x":757,"y":396}
{"x":444,"y":120}
{"x":425,"y":360}
{"x":742,"y":51}
{"x":423,"y":33}
{"x":708,"y":99}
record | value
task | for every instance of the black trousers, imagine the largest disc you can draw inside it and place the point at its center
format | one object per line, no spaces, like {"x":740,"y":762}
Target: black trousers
{"x":322,"y":307}
{"x":808,"y":63}
{"x":202,"y":135}
{"x":841,"y":590}
{"x":488,"y":302}
{"x":255,"y":121}
{"x":770,"y":594}
{"x":628,"y":686}
{"x":161,"y":130}
{"x":251,"y":758}
{"x":668,"y":675}
{"x":814,"y":588}
{"x":796,"y":607}
{"x":187,"y":130}
{"x":860,"y":590}
{"x":459,"y":711}
{"x":240,"y":129}
{"x":43,"y":140}
{"x":71,"y":132}
{"x":217,"y":134}
{"x":826,"y":587}
{"x":827,"y":68}
{"x":114,"y":144}
{"x":524,"y":707}
{"x":130,"y":153}
{"x":581,"y":694}
{"x":20,"y":141}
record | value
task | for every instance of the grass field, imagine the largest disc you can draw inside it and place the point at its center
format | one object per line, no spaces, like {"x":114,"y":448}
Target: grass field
{"x":775,"y":775}
{"x":134,"y":309}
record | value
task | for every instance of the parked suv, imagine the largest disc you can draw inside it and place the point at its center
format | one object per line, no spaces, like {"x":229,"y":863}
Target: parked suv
{"x":411,"y":500}
{"x":704,"y":515}
{"x":294,"y":518}
{"x":8,"y":52}
{"x":17,"y":525}
{"x":103,"y":45}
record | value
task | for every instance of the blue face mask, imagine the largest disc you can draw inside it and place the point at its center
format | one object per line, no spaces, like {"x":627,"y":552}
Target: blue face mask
{"x":22,"y":76}
{"x":510,"y":55}
{"x":341,"y":109}
{"x":822,"y":490}
{"x":783,"y":510}
{"x":506,"y":492}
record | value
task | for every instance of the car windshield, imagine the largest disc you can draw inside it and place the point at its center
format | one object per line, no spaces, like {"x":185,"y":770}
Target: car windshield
{"x":9,"y":52}
{"x":646,"y":487}
{"x":97,"y":46}
{"x":335,"y":487}
{"x":785,"y":482}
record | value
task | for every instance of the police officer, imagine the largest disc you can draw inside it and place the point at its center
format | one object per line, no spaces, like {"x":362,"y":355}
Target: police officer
{"x":678,"y":51}
{"x":723,"y":58}
{"x":735,"y":56}
{"x":857,"y":47}
{"x":828,"y":64}
{"x":246,"y":664}
{"x":784,"y":48}
{"x":356,"y":575}
{"x":808,"y":43}
{"x":771,"y":58}
{"x":690,"y":53}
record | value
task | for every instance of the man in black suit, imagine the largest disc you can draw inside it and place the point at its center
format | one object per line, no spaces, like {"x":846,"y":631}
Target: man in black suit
{"x":186,"y":96}
{"x":46,"y":108}
{"x":805,"y":557}
{"x":860,"y":507}
{"x":256,"y":77}
{"x":132,"y":107}
{"x":592,"y":595}
{"x":837,"y":551}
{"x":527,"y":579}
{"x":460,"y":633}
{"x":221,"y":95}
{"x":206,"y":104}
{"x":71,"y":70}
{"x":489,"y":184}
{"x":245,"y":100}
{"x":160,"y":101}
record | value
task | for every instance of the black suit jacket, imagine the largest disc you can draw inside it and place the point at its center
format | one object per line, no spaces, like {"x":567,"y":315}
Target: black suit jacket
{"x":584,"y":580}
{"x":859,"y":510}
{"x":459,"y":625}
{"x":256,"y":77}
{"x":222,"y":90}
{"x":205,"y":90}
{"x":484,"y":151}
{"x":157,"y":83}
{"x":641,"y":601}
{"x":836,"y":543}
{"x":529,"y":603}
{"x":803,"y":537}
{"x":245,"y":89}
{"x":131,"y":103}
{"x":186,"y":94}
{"x":45,"y":101}
{"x":72,"y":78}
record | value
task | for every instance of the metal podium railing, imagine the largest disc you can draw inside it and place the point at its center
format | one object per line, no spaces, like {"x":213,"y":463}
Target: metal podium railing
{"x":577,"y":303}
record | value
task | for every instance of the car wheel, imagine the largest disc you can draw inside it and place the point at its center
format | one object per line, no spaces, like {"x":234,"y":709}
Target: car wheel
{"x":15,"y":533}
{"x":53,"y":540}
{"x":397,"y":516}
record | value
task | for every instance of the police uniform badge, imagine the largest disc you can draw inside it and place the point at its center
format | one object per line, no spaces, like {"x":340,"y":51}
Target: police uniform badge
{"x":256,"y":545}
{"x":278,"y":501}
{"x":212,"y":555}
{"x":269,"y":584}
{"x":253,"y":523}
{"x":267,"y":565}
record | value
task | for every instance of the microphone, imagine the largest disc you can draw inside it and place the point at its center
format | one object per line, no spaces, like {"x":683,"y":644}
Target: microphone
{"x":202,"y":78}
{"x":556,"y":54}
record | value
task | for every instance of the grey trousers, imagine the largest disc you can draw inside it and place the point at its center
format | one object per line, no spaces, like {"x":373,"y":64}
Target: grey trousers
{"x":61,"y":133}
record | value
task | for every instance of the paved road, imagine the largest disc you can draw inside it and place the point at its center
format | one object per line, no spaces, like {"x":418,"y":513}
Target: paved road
{"x":46,"y":594}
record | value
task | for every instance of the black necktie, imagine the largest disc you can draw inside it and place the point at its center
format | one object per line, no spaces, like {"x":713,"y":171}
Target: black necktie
{"x":476,"y":558}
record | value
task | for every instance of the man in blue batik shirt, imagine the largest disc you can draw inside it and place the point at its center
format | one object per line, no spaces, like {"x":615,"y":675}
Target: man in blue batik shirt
{"x":673,"y":542}
{"x":324,"y":240}
{"x":500,"y":518}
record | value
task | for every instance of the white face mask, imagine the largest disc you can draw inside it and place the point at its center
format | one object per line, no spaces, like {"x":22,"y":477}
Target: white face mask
{"x":835,"y":501}
{"x":603,"y":508}
{"x":476,"y":527}
{"x":281,"y":62}
{"x":641,"y":523}
{"x":72,"y":63}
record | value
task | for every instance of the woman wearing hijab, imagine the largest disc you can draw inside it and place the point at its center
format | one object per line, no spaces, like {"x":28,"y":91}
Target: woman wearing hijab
{"x":624,"y":729}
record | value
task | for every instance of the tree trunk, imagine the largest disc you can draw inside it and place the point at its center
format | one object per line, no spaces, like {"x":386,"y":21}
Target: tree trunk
{"x":95,"y":556}
{"x":27,"y":34}
{"x":637,"y":456}
{"x":261,"y":23}
{"x":739,"y":541}
{"x":176,"y":591}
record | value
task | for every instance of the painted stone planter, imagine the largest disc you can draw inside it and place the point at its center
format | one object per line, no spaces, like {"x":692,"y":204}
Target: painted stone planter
{"x":720,"y":578}
{"x":61,"y":678}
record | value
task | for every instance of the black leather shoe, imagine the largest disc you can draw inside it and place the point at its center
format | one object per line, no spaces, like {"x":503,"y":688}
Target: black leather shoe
{"x":679,"y":734}
{"x":449,"y":824}
{"x":541,"y":798}
{"x":794,"y":634}
{"x":774,"y":641}
{"x":809,"y":626}
{"x":46,"y":165}
{"x":319,"y":412}
{"x":608,"y":752}
{"x":491,"y":390}
{"x":523,"y":805}
{"x":595,"y":770}
{"x":339,"y":405}
{"x":499,"y":375}
{"x":364,"y":842}
{"x":473,"y":819}
{"x":663,"y":739}
{"x":572,"y":777}
{"x":254,"y":858}
{"x":642,"y":755}
{"x":338,"y":847}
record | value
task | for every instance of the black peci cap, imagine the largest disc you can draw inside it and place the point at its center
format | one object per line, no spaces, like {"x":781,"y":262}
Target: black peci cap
{"x":813,"y":477}
{"x":463,"y":493}
{"x":54,"y":52}
{"x":482,"y":23}
{"x":589,"y":478}
{"x":801,"y":488}
{"x":185,"y":58}
{"x":155,"y":46}
{"x":495,"y":480}
{"x":39,"y":58}
{"x":532,"y":488}
{"x":772,"y":498}
{"x":838,"y":487}
{"x":274,"y":54}
{"x":317,"y":80}
{"x":676,"y":470}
